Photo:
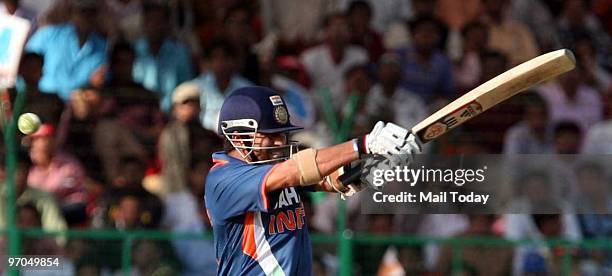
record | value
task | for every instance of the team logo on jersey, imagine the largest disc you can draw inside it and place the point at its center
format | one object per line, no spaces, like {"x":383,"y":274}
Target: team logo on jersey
{"x":288,"y":214}
{"x":281,"y":115}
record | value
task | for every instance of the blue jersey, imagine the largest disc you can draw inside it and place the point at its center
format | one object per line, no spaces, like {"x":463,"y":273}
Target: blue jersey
{"x":255,"y":233}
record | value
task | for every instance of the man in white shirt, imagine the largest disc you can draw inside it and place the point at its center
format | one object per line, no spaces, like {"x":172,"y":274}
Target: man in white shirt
{"x":532,"y":135}
{"x":570,"y":99}
{"x":14,"y":8}
{"x":598,"y":139}
{"x":388,"y":98}
{"x":327,"y":62}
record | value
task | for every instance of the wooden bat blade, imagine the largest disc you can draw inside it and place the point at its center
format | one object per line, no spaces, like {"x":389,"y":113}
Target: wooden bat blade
{"x":493,"y":92}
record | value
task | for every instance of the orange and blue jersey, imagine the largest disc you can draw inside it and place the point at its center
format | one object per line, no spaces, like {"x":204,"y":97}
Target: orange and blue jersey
{"x":255,"y":232}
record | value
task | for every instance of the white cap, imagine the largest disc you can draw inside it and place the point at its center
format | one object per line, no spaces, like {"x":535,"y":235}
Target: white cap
{"x":185,"y":91}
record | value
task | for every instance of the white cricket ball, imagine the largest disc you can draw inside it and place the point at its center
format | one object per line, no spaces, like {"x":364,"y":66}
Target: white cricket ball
{"x":28,"y":123}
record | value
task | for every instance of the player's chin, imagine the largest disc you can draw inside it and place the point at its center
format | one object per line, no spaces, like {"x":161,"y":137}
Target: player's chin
{"x":279,"y":154}
{"x":276,"y":155}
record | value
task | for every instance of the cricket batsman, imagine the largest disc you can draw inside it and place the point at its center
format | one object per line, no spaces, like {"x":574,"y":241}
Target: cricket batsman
{"x":252,"y":191}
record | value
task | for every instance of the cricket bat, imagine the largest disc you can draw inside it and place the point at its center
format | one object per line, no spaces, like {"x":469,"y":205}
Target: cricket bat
{"x":493,"y":92}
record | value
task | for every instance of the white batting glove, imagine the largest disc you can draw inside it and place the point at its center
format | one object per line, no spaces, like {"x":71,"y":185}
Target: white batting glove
{"x":391,"y":139}
{"x":406,"y":156}
{"x":371,"y":140}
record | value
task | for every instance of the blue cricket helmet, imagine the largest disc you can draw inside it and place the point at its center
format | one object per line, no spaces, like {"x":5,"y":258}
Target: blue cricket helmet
{"x":257,"y":103}
{"x":253,"y":109}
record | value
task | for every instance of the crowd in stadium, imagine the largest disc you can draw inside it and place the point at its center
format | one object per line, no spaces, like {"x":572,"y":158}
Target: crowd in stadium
{"x":129,"y":93}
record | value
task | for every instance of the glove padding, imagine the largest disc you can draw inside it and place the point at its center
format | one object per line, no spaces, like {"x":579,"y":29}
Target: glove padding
{"x":390,"y":146}
{"x":393,"y":141}
{"x":410,"y":148}
{"x":377,"y":162}
{"x":403,"y":156}
{"x":359,"y":174}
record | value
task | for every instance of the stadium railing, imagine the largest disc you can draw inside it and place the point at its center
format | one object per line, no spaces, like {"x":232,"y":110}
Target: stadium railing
{"x":352,"y":239}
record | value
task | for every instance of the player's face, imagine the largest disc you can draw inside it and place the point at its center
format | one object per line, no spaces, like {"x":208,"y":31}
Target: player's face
{"x":270,"y":140}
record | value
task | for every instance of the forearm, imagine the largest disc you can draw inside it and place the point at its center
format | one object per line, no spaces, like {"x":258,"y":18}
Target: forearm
{"x":332,"y":158}
{"x":328,"y":160}
{"x":309,"y":167}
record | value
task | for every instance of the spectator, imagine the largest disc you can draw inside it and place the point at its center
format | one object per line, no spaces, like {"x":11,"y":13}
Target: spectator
{"x":344,"y":116}
{"x":118,"y":209}
{"x":28,"y":217}
{"x":198,"y":170}
{"x":598,"y":139}
{"x":507,"y":36}
{"x":39,"y":7}
{"x":594,"y":198}
{"x":14,"y":8}
{"x":456,"y":15}
{"x":543,"y":260}
{"x":595,"y":75}
{"x":162,"y":63}
{"x":545,"y":197}
{"x":536,"y":198}
{"x":128,"y":213}
{"x":600,"y":9}
{"x":149,"y":259}
{"x":50,"y":12}
{"x":478,"y":259}
{"x":134,"y":107}
{"x":468,"y":70}
{"x":566,"y":146}
{"x":47,"y":106}
{"x":439,"y":225}
{"x":218,"y":81}
{"x":423,"y":8}
{"x":532,"y":135}
{"x":388,"y":101}
{"x":185,"y":213}
{"x":78,"y":256}
{"x":536,"y":16}
{"x":570,"y":99}
{"x":182,"y":22}
{"x":368,"y":257}
{"x":127,"y":18}
{"x":67,"y":68}
{"x":88,"y":266}
{"x":328,"y":62}
{"x":357,"y":84}
{"x":576,"y":21}
{"x":183,"y":139}
{"x":239,"y":33}
{"x":58,"y":172}
{"x":385,"y":14}
{"x":568,"y":138}
{"x":126,"y":204}
{"x":360,"y":15}
{"x":426,"y":70}
{"x":51,"y":218}
{"x":297,"y":23}
{"x":209,"y":16}
{"x":76,"y":128}
{"x":594,"y":204}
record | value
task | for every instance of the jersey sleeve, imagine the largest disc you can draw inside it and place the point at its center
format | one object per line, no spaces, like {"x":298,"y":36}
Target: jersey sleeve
{"x":241,"y":190}
{"x":39,"y":40}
